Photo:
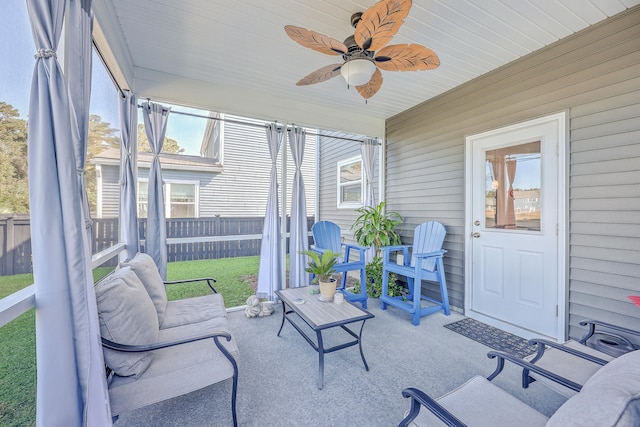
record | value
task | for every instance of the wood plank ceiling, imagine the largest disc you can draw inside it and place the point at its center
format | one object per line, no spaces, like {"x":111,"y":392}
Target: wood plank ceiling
{"x":234,"y":56}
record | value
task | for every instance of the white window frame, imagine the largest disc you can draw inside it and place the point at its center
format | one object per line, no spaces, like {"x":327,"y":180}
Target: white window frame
{"x":348,"y":205}
{"x":138,"y":195}
{"x":167,"y":191}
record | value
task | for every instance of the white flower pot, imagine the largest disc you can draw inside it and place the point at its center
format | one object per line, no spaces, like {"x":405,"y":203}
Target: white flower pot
{"x":328,"y":289}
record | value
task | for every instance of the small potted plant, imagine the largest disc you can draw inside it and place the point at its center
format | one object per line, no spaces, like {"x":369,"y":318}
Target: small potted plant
{"x":321,"y":266}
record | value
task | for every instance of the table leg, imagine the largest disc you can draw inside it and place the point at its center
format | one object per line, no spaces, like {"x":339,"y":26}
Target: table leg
{"x":320,"y":360}
{"x":360,"y":346}
{"x":284,"y":314}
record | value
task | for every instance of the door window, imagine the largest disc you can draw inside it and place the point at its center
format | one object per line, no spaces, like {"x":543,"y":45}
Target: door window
{"x":512,"y":187}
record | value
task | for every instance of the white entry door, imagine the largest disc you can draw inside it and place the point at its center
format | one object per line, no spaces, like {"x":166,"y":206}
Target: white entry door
{"x":514,"y":223}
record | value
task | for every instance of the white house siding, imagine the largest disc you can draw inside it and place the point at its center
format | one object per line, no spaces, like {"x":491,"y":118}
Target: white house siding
{"x":332,"y":149}
{"x":110,"y":192}
{"x":240,"y":190}
{"x":595,"y":75}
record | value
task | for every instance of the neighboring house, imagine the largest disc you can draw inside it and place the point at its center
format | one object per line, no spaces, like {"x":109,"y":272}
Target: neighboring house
{"x":230,"y":179}
{"x":339,"y":198}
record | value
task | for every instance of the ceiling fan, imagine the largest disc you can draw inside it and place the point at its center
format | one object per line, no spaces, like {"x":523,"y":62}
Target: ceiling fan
{"x":364,"y":53}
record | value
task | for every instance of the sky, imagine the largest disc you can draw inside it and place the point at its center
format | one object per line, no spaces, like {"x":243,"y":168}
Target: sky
{"x":16,"y":70}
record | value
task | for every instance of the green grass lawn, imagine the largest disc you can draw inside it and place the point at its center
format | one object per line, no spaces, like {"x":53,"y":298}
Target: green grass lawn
{"x":17,"y":339}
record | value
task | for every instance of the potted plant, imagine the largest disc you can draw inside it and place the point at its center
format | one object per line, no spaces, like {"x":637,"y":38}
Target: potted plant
{"x":375,"y":227}
{"x":321,"y":266}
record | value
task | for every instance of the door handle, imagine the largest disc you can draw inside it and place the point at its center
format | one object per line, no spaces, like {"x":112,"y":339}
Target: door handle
{"x":476,"y":234}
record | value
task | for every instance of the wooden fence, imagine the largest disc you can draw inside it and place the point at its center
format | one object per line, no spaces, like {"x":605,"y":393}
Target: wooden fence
{"x":15,"y":244}
{"x":15,"y":238}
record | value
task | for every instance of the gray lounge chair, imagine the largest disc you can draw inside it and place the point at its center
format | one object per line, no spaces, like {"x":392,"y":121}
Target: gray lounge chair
{"x":611,"y":397}
{"x":575,"y":360}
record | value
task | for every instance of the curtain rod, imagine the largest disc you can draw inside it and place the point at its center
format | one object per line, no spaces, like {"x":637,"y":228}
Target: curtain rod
{"x":242,"y":122}
{"x":104,"y":64}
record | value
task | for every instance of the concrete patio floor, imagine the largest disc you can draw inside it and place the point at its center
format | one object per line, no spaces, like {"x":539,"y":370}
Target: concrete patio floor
{"x":277,"y":376}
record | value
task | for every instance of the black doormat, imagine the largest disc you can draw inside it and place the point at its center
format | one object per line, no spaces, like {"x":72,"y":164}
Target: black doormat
{"x":492,"y":337}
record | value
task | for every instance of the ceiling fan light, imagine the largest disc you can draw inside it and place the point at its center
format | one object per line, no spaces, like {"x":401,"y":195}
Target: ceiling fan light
{"x":358,"y":71}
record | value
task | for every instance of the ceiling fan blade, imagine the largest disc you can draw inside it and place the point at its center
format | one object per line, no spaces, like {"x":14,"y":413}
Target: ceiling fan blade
{"x":320,"y":75}
{"x":369,"y":89}
{"x":406,"y":57}
{"x":380,"y":22}
{"x":316,"y":41}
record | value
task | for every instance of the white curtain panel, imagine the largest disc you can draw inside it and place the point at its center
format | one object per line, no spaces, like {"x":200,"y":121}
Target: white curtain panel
{"x":369,"y":153}
{"x":128,"y":202}
{"x":269,"y":274}
{"x":299,"y":234}
{"x":71,"y":386}
{"x":155,"y":124}
{"x":80,"y":21}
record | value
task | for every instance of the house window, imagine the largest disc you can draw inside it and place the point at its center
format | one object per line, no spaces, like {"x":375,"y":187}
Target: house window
{"x":181,"y":201}
{"x":350,"y":183}
{"x":181,"y":198}
{"x":143,"y":198}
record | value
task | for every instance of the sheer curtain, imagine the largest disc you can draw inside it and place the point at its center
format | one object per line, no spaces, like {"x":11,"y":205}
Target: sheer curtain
{"x":369,"y":152}
{"x":155,"y":124}
{"x":128,"y":202}
{"x":497,"y":165}
{"x":511,"y":213}
{"x":269,"y":275}
{"x":299,"y":235}
{"x":71,"y":386}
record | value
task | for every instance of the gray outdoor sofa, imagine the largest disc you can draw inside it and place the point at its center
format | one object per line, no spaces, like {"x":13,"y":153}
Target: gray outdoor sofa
{"x":611,"y":397}
{"x":157,"y":349}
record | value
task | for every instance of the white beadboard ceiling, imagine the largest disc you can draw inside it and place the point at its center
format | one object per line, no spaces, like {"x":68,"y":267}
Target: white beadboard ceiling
{"x":234,"y":56}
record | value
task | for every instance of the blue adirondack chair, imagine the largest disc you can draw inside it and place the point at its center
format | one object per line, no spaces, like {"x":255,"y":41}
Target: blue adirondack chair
{"x":326,"y":236}
{"x":425,"y":263}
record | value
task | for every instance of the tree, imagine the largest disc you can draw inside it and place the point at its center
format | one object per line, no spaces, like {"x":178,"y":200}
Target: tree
{"x":14,"y":191}
{"x":101,"y":137}
{"x":169,"y":145}
{"x":14,"y":188}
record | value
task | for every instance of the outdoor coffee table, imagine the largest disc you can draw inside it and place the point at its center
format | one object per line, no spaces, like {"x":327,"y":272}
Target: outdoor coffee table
{"x":321,"y":315}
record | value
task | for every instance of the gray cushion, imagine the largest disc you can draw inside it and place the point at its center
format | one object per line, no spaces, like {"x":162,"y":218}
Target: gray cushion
{"x":478,"y":402}
{"x":569,"y":366}
{"x":147,"y":271}
{"x":176,"y":370}
{"x":611,"y":397}
{"x":193,"y":310}
{"x":127,"y":316}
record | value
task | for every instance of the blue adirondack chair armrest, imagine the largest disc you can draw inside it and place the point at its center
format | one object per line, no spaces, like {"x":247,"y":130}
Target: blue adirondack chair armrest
{"x":437,"y":254}
{"x":318,"y":250}
{"x":386,"y":250}
{"x":592,"y":329}
{"x":347,"y":250}
{"x":424,"y":256}
{"x":543,"y":344}
{"x":354,"y":246}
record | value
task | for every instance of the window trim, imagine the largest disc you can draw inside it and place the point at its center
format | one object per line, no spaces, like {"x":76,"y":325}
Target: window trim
{"x":166,"y":190}
{"x":348,"y":205}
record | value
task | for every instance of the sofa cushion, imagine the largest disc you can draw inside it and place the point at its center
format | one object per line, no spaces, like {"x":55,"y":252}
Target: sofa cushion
{"x":127,"y":316}
{"x":611,"y":397}
{"x":568,"y":366}
{"x":147,"y":271}
{"x":193,"y":310}
{"x":176,"y":370}
{"x":479,"y":402}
